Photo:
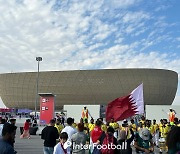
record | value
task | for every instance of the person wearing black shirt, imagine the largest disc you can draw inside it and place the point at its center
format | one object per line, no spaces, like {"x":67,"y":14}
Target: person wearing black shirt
{"x":13,"y":122}
{"x":49,"y":135}
{"x":35,"y":122}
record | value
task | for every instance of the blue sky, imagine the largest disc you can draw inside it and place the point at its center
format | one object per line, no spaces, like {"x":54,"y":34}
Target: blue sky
{"x":96,"y":34}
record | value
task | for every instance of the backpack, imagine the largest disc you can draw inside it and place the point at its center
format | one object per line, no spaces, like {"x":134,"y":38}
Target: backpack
{"x":108,"y":140}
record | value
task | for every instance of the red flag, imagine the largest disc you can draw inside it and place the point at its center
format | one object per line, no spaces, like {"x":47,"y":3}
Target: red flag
{"x":125,"y":107}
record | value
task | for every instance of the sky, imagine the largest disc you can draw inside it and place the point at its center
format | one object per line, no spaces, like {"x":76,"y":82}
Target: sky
{"x":96,"y":34}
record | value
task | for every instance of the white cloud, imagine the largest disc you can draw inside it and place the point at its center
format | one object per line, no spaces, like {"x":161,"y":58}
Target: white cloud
{"x":130,"y":29}
{"x":32,"y":28}
{"x":133,"y":17}
{"x":162,"y":8}
{"x":121,"y":3}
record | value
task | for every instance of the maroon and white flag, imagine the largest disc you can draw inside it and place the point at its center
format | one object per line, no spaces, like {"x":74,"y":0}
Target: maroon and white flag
{"x":124,"y":107}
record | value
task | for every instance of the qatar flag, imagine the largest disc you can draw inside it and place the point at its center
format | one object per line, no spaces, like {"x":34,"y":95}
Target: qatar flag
{"x":124,"y":107}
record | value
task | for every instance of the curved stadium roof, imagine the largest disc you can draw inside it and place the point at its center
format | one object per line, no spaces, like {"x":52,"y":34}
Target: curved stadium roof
{"x":18,"y":90}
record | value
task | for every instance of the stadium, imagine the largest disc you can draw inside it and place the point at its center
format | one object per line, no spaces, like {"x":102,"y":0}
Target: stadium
{"x":90,"y":87}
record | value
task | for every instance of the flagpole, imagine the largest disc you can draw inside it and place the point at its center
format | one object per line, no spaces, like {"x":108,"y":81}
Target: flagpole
{"x":144,"y":103}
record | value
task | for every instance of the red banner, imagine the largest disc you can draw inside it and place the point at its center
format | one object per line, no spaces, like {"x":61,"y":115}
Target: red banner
{"x":46,"y":108}
{"x":5,"y":110}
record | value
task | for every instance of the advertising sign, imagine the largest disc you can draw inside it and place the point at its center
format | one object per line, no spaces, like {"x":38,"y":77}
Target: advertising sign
{"x":46,"y":108}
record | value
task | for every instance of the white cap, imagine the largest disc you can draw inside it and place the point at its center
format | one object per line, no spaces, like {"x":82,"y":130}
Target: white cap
{"x":125,"y":121}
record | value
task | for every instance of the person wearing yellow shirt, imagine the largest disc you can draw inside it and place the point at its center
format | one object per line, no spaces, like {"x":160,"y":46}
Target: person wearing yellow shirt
{"x":155,"y":126}
{"x":114,"y":124}
{"x":143,"y":121}
{"x":59,"y":126}
{"x":107,"y":123}
{"x":125,"y":127}
{"x":91,"y":125}
{"x":168,"y":128}
{"x":155,"y":133}
{"x":164,"y":131}
{"x":149,"y":126}
{"x":165,"y":128}
{"x":160,"y":126}
{"x":133,"y":126}
{"x":140,"y":126}
{"x":104,"y":127}
{"x":74,"y":124}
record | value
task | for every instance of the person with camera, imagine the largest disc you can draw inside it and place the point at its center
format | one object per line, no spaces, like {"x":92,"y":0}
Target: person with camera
{"x":143,"y":141}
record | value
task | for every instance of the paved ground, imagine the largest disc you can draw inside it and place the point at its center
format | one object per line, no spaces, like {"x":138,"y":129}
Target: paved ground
{"x":34,"y":145}
{"x":29,"y":146}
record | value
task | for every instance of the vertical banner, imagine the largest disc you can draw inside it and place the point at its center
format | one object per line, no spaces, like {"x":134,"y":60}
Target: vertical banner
{"x":46,"y":108}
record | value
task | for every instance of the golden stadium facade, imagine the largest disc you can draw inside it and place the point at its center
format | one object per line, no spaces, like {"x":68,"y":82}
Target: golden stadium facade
{"x":18,"y":90}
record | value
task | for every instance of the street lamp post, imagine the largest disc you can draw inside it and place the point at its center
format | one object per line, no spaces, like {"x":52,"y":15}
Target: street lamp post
{"x":38,"y":59}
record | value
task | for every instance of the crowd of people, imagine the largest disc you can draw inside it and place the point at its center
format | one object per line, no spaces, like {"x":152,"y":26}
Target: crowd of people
{"x":100,"y":137}
{"x":143,"y":136}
